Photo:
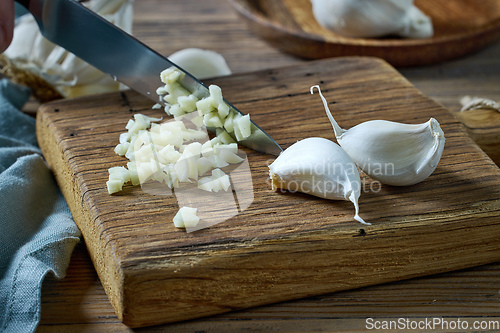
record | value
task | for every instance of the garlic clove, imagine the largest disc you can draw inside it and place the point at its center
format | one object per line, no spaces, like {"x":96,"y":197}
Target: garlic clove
{"x":201,"y":63}
{"x":417,"y":24}
{"x":372,"y":18}
{"x":318,"y":167}
{"x":393,"y":153}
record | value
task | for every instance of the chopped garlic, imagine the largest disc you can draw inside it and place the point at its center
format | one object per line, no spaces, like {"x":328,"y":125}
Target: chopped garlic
{"x":186,"y":217}
{"x":117,"y":177}
{"x":204,"y":106}
{"x":122,"y":148}
{"x":173,"y":152}
{"x":212,"y":120}
{"x":242,"y":127}
{"x":224,"y":136}
{"x":119,"y":173}
{"x":223,"y":178}
{"x":215,"y":111}
{"x":216,"y":182}
{"x":229,"y":122}
{"x":187,"y":103}
{"x":114,"y":186}
{"x":229,"y":157}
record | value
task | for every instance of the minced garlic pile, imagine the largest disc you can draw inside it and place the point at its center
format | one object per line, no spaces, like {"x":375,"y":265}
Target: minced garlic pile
{"x":180,"y":150}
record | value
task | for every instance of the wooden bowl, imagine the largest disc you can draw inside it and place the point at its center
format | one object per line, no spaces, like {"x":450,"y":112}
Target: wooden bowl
{"x":460,"y":27}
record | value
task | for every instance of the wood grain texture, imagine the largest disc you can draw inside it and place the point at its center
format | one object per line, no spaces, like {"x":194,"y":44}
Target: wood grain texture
{"x":284,"y":246}
{"x":461,"y":27}
{"x":79,"y":303}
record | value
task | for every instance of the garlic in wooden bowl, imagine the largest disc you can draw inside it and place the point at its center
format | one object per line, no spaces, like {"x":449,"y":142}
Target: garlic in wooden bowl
{"x":390,"y":152}
{"x":372,"y":18}
{"x":318,"y":167}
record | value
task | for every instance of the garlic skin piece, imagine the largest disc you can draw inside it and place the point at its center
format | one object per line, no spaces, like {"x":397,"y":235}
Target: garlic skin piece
{"x":393,"y":153}
{"x":318,"y":167}
{"x":473,"y":103}
{"x":201,"y":63}
{"x":372,"y":18}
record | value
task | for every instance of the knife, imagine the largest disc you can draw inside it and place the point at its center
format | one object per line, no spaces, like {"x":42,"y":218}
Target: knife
{"x":74,"y":27}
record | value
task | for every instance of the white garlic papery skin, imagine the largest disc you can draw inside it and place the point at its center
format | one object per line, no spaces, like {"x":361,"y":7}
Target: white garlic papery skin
{"x":318,"y":167}
{"x":201,"y":63}
{"x":70,"y":75}
{"x":473,"y":103}
{"x":393,"y":153}
{"x":372,"y":18}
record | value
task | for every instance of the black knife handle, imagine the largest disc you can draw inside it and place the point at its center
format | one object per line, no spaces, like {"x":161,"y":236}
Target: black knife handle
{"x":25,"y":3}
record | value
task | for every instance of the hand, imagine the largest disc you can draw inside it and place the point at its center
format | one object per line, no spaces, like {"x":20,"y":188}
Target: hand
{"x":7,"y":16}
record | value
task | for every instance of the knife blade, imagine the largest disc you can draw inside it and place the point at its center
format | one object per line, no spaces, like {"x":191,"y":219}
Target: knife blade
{"x":72,"y":26}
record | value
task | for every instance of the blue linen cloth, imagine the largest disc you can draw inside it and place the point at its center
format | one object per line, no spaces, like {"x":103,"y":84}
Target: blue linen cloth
{"x":37,"y":232}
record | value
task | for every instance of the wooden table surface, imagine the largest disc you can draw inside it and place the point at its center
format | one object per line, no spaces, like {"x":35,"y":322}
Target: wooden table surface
{"x":78,"y":302}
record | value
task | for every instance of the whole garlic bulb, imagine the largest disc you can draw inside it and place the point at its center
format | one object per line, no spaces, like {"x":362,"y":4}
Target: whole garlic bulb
{"x":68,"y":74}
{"x":318,"y":167}
{"x":372,"y":18}
{"x":390,"y":152}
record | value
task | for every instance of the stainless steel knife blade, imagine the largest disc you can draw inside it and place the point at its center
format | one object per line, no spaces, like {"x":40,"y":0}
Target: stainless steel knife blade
{"x":72,"y":26}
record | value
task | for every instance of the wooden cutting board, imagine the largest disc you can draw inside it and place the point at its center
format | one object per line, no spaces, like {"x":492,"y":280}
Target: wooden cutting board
{"x":284,"y":245}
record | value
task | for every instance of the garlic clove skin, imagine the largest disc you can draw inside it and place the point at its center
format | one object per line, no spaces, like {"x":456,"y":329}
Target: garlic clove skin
{"x":318,"y":167}
{"x":372,"y":18}
{"x":393,"y":153}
